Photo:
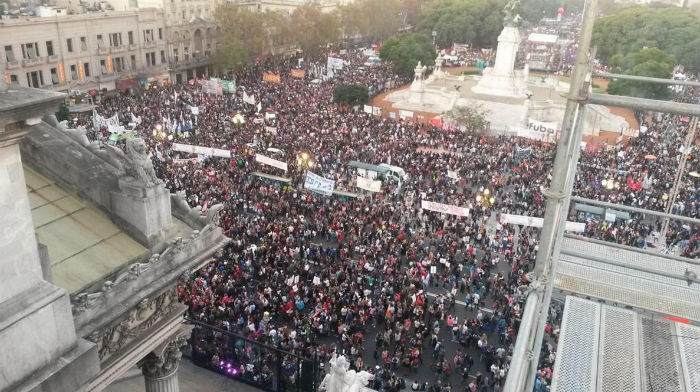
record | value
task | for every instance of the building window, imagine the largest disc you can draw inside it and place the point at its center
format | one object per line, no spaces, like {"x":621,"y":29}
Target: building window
{"x":115,"y":39}
{"x":49,"y":48}
{"x":131,"y":37}
{"x":148,"y":35}
{"x":160,"y":33}
{"x":133,"y":61}
{"x":162,"y":57}
{"x":175,"y":55}
{"x":83,"y":43}
{"x":187,"y":53}
{"x":54,"y":76}
{"x":86,"y":69}
{"x":74,"y":72}
{"x":100,"y":42}
{"x":14,"y":79}
{"x":103,"y":67}
{"x":9,"y":54}
{"x":69,"y":45}
{"x":118,"y":64}
{"x":35,"y":79}
{"x":30,"y":50}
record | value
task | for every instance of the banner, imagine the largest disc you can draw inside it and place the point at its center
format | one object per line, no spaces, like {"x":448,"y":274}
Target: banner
{"x":212,"y":86}
{"x":182,"y":162}
{"x":444,"y":208}
{"x":271,"y":162}
{"x":522,"y":153}
{"x":376,"y":110}
{"x":271,"y":77}
{"x":369,"y":185}
{"x":538,"y":130}
{"x":204,"y":151}
{"x":319,"y":184}
{"x":298,"y":73}
{"x":135,"y":120}
{"x":405,"y":114}
{"x":100,"y":122}
{"x":194,"y":110}
{"x":452,"y":174}
{"x":249,"y":99}
{"x":335,"y":63}
{"x":272,"y":130}
{"x":538,"y":222}
{"x":228,"y":86}
{"x":368,"y":109}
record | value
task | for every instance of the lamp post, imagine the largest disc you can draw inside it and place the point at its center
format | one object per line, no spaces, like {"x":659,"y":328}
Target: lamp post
{"x":485,"y":198}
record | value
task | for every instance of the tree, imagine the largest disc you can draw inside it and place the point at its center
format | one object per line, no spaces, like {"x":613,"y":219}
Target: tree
{"x":648,"y":62}
{"x":673,"y":30}
{"x":63,"y":113}
{"x":404,"y":51}
{"x":472,"y":117}
{"x":312,"y":29}
{"x":475,"y":22}
{"x":373,"y":20}
{"x":350,"y":94}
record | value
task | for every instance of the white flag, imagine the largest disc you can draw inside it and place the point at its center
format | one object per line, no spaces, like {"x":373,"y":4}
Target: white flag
{"x":259,"y":106}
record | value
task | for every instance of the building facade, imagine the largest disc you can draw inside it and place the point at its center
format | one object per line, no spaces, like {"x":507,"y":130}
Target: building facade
{"x":89,"y":51}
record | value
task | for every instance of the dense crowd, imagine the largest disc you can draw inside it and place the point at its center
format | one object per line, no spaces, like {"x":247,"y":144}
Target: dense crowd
{"x":312,"y":274}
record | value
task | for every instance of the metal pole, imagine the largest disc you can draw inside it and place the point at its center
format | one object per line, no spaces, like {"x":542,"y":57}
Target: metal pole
{"x":568,"y":147}
{"x":651,"y":105}
{"x":647,"y":79}
{"x":679,"y":176}
{"x":516,"y":374}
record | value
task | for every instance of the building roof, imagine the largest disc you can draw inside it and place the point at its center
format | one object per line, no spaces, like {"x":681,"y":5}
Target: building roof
{"x":84,"y":245}
{"x":603,"y":348}
{"x":628,"y":277}
{"x":544,"y":38}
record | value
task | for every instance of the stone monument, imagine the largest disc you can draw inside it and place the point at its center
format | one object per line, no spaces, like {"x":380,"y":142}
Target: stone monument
{"x":438,"y":73}
{"x":417,"y":87}
{"x":341,"y":379}
{"x":502,"y":80}
{"x":143,"y":201}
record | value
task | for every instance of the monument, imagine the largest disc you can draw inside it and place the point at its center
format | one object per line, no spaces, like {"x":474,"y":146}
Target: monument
{"x":417,"y":88}
{"x":502,"y":79}
{"x":341,"y":379}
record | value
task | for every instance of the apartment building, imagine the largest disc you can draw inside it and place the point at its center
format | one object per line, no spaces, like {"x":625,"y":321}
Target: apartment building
{"x":105,"y":50}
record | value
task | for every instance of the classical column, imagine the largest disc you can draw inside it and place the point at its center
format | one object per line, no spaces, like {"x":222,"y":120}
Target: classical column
{"x":160,"y":368}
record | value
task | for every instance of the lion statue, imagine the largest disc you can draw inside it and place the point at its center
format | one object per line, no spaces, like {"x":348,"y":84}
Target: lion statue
{"x":138,"y":164}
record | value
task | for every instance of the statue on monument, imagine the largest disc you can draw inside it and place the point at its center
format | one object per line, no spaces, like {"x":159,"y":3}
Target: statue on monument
{"x":512,"y":18}
{"x":341,"y":379}
{"x":419,"y":71}
{"x":135,"y":163}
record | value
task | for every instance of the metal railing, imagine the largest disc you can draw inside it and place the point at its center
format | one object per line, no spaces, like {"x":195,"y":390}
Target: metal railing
{"x":257,"y":364}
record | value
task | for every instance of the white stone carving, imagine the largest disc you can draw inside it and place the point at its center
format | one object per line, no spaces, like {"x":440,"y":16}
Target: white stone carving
{"x":341,"y":379}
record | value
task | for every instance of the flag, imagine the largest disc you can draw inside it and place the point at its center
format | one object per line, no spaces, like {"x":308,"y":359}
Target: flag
{"x":635,"y":186}
{"x":249,"y":99}
{"x":259,"y":106}
{"x":271,"y":77}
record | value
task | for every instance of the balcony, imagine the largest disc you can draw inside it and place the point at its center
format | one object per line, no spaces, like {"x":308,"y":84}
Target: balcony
{"x":12,"y":64}
{"x":118,"y":49}
{"x":110,"y":77}
{"x":53,"y":58}
{"x":189,"y":63}
{"x":149,"y":44}
{"x":33,"y":61}
{"x":102,"y":50}
{"x":132,"y":46}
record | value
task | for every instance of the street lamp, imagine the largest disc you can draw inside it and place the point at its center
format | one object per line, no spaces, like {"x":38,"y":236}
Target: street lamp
{"x":305,"y":160}
{"x":485,"y":198}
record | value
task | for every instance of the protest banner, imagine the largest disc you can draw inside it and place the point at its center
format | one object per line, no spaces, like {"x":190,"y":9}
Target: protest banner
{"x":525,"y":220}
{"x":452,"y":174}
{"x":444,"y":208}
{"x":368,"y":109}
{"x":199,"y":150}
{"x":370,"y":185}
{"x":194,"y":110}
{"x":335,"y":63}
{"x":271,"y":77}
{"x":319,"y":184}
{"x":271,"y":162}
{"x":298,"y":73}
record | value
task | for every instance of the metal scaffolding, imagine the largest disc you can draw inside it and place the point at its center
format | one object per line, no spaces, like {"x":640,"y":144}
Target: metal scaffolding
{"x":523,"y":367}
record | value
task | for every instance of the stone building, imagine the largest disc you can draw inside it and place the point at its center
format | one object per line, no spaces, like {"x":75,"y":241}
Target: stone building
{"x":92,"y":251}
{"x":102,"y":50}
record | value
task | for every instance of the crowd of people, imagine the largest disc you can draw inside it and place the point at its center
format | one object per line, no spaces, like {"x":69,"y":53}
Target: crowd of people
{"x":311,"y":274}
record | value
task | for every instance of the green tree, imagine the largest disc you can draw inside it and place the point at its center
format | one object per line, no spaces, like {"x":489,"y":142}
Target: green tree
{"x":475,"y":22}
{"x":649,"y":62}
{"x":673,"y":30}
{"x":350,"y":94}
{"x":472,"y":117}
{"x":404,"y":51}
{"x":63,"y":113}
{"x":373,"y":20}
{"x":312,"y":29}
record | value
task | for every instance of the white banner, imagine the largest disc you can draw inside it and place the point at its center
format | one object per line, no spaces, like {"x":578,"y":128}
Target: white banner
{"x":405,"y":114}
{"x":119,"y":129}
{"x":272,"y":130}
{"x":271,"y":162}
{"x":205,"y":151}
{"x":370,"y":185}
{"x":194,"y":110}
{"x":319,"y":184}
{"x":538,"y":222}
{"x":452,"y":174}
{"x":100,"y":122}
{"x":335,"y":63}
{"x":249,"y":99}
{"x":444,"y":208}
{"x":368,"y":109}
{"x":376,"y":110}
{"x":538,"y":130}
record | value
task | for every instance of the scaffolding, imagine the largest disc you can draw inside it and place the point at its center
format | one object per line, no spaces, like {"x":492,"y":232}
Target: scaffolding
{"x":523,"y":367}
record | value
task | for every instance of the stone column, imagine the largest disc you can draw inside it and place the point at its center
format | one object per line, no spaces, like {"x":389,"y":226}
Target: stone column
{"x":160,"y":368}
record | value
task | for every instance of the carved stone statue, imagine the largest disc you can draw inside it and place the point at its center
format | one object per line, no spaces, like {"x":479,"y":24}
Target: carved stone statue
{"x":164,"y":364}
{"x":335,"y":379}
{"x":357,"y":382}
{"x":512,"y":18}
{"x":419,"y":71}
{"x":437,"y":71}
{"x":135,"y":163}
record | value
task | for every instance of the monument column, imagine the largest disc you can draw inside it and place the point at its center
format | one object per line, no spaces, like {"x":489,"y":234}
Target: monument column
{"x":159,"y":368}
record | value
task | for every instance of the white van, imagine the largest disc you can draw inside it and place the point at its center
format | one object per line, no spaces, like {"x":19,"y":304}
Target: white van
{"x":395,"y":172}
